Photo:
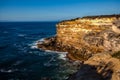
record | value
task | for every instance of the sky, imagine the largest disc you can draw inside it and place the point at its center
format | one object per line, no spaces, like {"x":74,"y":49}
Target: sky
{"x":55,"y":10}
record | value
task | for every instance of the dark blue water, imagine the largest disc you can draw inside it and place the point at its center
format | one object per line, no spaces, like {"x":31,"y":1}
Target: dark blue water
{"x":19,"y":60}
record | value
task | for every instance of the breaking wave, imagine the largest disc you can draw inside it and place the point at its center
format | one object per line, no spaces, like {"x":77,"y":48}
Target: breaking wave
{"x":34,"y":44}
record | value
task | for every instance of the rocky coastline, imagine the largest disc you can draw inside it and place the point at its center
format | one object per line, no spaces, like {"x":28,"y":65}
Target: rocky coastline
{"x":95,"y":40}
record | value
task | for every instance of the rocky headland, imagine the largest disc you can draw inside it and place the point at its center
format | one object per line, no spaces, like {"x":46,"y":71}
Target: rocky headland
{"x":95,"y":40}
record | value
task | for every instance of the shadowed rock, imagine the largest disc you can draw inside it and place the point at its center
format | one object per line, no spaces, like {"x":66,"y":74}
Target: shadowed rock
{"x":99,"y":67}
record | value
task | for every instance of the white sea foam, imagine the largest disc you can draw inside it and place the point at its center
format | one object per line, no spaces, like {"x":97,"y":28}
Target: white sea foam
{"x":56,"y":52}
{"x":33,"y":47}
{"x":41,"y":39}
{"x":34,"y":44}
{"x":21,"y":35}
{"x":8,"y":71}
{"x":63,"y":56}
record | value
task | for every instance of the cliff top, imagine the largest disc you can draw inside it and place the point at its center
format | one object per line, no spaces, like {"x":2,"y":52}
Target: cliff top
{"x":101,"y":16}
{"x":94,"y":17}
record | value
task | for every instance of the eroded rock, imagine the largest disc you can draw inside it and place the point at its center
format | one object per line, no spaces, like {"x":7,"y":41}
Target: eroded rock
{"x":83,"y":37}
{"x":92,"y":40}
{"x":99,"y":67}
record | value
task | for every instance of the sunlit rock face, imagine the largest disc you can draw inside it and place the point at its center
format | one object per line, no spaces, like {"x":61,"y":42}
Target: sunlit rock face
{"x":83,"y":37}
{"x":91,"y":40}
{"x":89,"y":35}
{"x":76,"y":29}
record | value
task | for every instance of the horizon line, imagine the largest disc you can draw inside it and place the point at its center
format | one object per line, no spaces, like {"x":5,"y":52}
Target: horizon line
{"x":31,"y":21}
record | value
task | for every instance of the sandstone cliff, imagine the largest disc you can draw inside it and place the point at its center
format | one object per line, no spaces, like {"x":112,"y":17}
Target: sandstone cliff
{"x":89,"y":35}
{"x":83,"y":37}
{"x":95,"y":40}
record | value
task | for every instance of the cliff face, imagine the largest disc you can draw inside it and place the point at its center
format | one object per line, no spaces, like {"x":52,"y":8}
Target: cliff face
{"x":89,"y":35}
{"x":83,"y":37}
{"x":91,"y":40}
{"x":71,"y":32}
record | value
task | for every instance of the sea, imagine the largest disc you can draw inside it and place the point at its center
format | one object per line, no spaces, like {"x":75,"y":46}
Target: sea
{"x":20,"y":59}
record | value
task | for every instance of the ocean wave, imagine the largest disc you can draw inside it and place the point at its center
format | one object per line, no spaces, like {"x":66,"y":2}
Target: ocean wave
{"x":62,"y":56}
{"x":56,"y":52}
{"x":39,"y":41}
{"x":5,"y":32}
{"x":8,"y":71}
{"x":21,"y":35}
{"x":49,"y":63}
{"x":34,"y":44}
{"x":17,"y":63}
{"x":34,"y":47}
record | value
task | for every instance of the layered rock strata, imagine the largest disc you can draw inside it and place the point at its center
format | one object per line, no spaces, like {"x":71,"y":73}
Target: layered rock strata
{"x":83,"y":37}
{"x":92,"y":40}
